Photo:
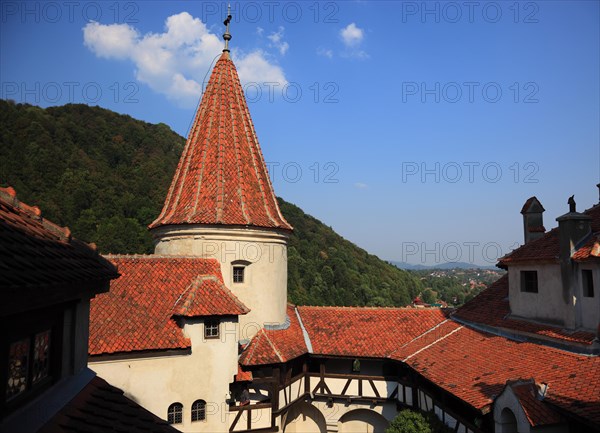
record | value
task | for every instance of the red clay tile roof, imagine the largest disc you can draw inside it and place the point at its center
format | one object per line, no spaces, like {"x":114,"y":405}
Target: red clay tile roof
{"x":221,"y":177}
{"x":342,"y":331}
{"x":276,"y":346}
{"x":243,"y":376}
{"x":366,"y":332}
{"x":475,"y":366}
{"x":101,"y":408}
{"x":208,"y":296}
{"x":40,"y":262}
{"x":491,"y":307}
{"x":547,"y":247}
{"x":137,"y":313}
{"x":537,"y":411}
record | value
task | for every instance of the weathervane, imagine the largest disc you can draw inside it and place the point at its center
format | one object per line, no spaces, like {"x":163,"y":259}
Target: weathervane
{"x":227,"y":35}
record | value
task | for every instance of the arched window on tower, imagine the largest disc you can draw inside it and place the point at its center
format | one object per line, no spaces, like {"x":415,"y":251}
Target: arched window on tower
{"x":199,"y":410}
{"x":175,"y":413}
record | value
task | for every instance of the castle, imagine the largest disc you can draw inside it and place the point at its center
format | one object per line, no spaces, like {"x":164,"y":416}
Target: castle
{"x":201,"y":334}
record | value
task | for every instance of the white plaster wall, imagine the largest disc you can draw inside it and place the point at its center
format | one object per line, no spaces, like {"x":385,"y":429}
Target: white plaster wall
{"x":264,"y":290}
{"x":548,"y":304}
{"x":205,"y":374}
{"x":590,"y":306}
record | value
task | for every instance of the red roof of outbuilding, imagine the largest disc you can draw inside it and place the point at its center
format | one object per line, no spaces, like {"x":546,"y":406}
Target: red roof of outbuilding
{"x":366,"y":332}
{"x":137,"y":313}
{"x":222,"y":177}
{"x":536,"y":410}
{"x":491,"y":307}
{"x":276,"y":346}
{"x":100,"y":407}
{"x":475,"y":367}
{"x":208,"y":296}
{"x":40,"y":263}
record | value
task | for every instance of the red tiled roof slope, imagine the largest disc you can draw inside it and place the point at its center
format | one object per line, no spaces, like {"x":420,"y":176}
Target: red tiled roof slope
{"x":475,"y":367}
{"x":491,"y":307}
{"x":208,"y":296}
{"x":276,"y":346}
{"x":536,"y":411}
{"x":40,"y":262}
{"x":350,"y":331}
{"x":222,"y":177}
{"x":100,"y":407}
{"x":137,"y":313}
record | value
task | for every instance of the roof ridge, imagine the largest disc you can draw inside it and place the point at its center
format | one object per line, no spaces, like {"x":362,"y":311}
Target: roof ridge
{"x":9,"y":196}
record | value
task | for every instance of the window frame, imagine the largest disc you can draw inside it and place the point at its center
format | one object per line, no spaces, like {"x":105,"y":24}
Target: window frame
{"x":587,"y":283}
{"x":198,"y":413}
{"x":175,"y":413}
{"x":212,"y":324}
{"x":528,"y":278}
{"x":236,"y":278}
{"x":49,"y":320}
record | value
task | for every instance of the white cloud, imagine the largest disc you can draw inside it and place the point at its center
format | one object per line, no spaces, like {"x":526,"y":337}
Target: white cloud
{"x":361,"y":185}
{"x":325,"y":52}
{"x":260,"y":31}
{"x":352,"y":35}
{"x":277,"y":41}
{"x":255,"y":68}
{"x":175,"y":62}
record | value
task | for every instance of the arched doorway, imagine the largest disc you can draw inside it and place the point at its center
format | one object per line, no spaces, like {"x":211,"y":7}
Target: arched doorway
{"x":362,"y":421}
{"x":304,"y":418}
{"x":508,"y":421}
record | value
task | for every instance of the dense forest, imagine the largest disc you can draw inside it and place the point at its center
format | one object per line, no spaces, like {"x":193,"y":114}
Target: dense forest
{"x":105,"y":175}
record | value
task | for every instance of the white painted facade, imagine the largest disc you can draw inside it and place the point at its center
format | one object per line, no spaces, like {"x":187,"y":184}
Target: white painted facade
{"x":262,"y":253}
{"x":158,"y":381}
{"x":549,"y":305}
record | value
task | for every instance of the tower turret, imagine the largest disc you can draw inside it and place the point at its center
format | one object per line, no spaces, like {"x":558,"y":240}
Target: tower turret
{"x":221,"y":202}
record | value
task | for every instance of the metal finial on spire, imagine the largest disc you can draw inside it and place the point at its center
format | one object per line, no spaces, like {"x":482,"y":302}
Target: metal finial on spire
{"x":227,"y":35}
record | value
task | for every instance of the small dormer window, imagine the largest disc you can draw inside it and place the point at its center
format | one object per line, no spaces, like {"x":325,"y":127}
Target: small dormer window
{"x":587,"y":281}
{"x":238,"y":274}
{"x":529,"y":281}
{"x":211,"y":328}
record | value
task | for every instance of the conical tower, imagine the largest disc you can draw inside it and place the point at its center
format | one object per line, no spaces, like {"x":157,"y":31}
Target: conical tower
{"x":221,"y":202}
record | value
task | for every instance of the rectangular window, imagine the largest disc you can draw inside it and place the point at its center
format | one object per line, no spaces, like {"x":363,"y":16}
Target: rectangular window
{"x":18,"y":365}
{"x":238,"y":274}
{"x":587,"y":281}
{"x":529,"y":281}
{"x":28,"y":363}
{"x":211,"y":329}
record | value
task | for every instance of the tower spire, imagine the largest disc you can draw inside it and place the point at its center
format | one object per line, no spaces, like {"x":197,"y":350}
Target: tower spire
{"x":227,"y":35}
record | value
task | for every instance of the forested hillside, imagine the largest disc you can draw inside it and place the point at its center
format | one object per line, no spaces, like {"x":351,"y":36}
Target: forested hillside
{"x":106,"y":175}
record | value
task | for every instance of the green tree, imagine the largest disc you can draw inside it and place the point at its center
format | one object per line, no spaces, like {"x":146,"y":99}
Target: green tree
{"x":408,"y":421}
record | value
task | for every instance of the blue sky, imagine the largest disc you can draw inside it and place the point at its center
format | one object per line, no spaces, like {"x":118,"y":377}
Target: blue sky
{"x":415,"y":129}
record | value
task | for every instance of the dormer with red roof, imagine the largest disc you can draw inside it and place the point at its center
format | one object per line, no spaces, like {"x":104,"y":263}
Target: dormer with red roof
{"x":221,"y":203}
{"x":553,"y":279}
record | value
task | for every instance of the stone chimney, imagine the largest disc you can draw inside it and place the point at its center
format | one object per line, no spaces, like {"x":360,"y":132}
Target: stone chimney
{"x":533,"y":220}
{"x":574,"y":229}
